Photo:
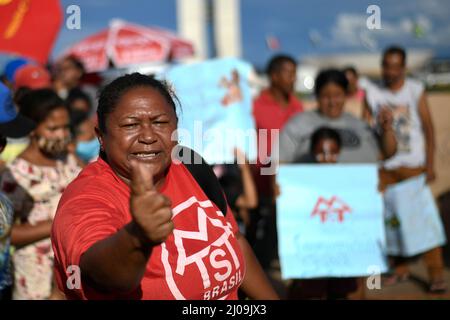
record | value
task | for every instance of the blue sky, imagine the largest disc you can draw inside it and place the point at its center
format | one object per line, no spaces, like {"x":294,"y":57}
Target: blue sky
{"x":302,"y":27}
{"x":324,"y":26}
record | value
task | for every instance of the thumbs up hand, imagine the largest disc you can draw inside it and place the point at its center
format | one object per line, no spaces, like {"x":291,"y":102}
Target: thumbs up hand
{"x":151,"y":210}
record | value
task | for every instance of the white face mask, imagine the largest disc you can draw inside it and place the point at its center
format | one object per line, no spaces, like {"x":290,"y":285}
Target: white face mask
{"x":53,"y":147}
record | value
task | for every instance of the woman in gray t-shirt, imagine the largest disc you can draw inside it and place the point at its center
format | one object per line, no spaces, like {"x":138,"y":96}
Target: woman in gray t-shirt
{"x":360,"y":144}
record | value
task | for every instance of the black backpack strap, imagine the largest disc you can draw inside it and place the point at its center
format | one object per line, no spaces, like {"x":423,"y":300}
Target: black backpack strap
{"x":204,"y":175}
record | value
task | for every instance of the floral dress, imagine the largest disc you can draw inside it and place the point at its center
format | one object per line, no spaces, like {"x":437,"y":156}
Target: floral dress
{"x":35,"y":192}
{"x":6,"y":219}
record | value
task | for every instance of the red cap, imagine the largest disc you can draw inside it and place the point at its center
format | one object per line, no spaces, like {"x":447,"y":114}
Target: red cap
{"x":33,"y":77}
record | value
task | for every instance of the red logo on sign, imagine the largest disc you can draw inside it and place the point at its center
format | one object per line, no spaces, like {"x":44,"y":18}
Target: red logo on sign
{"x":325,"y":207}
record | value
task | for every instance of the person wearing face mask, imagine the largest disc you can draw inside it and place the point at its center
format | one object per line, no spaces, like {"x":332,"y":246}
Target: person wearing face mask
{"x":86,"y":149}
{"x":360,"y":144}
{"x":12,"y":125}
{"x":34,"y":182}
{"x":82,"y":121}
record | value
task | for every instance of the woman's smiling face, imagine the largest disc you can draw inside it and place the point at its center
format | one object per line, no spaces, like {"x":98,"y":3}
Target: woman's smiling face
{"x":331,"y":100}
{"x":140,"y":127}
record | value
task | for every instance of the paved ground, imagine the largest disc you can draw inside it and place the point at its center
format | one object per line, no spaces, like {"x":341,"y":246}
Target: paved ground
{"x":413,"y":289}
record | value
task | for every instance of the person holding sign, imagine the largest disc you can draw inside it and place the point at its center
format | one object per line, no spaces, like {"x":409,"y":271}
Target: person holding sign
{"x":136,"y":224}
{"x":358,"y":144}
{"x":325,"y":148}
{"x":413,"y":127}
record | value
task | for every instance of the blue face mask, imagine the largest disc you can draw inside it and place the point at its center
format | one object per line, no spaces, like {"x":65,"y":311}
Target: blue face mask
{"x":88,"y":150}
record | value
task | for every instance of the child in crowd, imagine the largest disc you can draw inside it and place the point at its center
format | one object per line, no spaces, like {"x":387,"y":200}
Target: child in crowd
{"x":325,"y":149}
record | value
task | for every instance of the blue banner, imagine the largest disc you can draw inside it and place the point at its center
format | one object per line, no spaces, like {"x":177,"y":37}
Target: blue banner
{"x":330,"y":221}
{"x":216,"y":108}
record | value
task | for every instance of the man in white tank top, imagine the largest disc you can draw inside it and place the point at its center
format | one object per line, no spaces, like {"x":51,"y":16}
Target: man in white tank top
{"x":415,"y":140}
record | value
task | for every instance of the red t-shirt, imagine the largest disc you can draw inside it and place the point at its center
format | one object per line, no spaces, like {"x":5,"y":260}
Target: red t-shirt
{"x":201,"y":259}
{"x":269,"y":115}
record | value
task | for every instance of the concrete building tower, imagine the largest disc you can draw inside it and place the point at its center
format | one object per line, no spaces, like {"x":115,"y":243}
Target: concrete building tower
{"x":227,"y":28}
{"x":193,"y":18}
{"x":191,"y":21}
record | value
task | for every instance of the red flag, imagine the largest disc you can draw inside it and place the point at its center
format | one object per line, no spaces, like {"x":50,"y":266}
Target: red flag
{"x":29,"y":27}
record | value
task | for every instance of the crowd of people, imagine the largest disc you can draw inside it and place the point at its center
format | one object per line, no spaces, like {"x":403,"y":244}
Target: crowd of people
{"x":37,"y":166}
{"x":94,"y":184}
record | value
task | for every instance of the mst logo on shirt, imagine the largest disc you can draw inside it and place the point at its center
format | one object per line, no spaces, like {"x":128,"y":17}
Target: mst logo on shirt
{"x":205,"y":251}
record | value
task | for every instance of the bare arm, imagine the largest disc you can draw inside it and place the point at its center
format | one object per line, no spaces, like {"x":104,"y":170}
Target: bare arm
{"x":388,"y":141}
{"x":25,"y":233}
{"x":118,"y":262}
{"x":249,"y":198}
{"x":428,"y":130}
{"x":367,"y":113}
{"x":256,"y":284}
{"x":2,"y":164}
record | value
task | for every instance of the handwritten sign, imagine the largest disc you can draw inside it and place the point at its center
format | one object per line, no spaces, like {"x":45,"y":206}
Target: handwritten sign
{"x":330,"y":221}
{"x":216,"y":108}
{"x":413,"y":223}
